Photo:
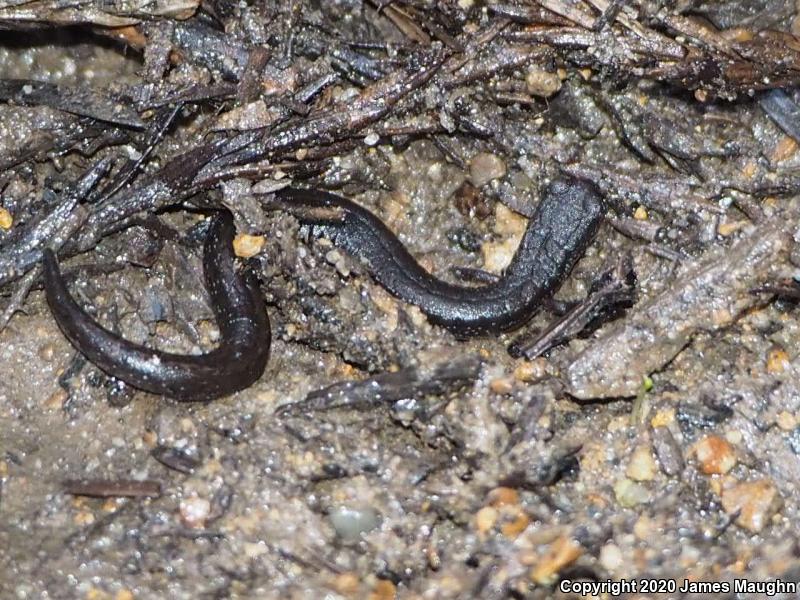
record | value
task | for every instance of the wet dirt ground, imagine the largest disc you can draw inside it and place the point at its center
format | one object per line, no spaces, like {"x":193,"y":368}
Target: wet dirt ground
{"x":663,"y":446}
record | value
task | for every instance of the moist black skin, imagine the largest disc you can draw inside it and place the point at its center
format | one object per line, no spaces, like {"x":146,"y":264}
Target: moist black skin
{"x":563,"y":225}
{"x":238,"y":306}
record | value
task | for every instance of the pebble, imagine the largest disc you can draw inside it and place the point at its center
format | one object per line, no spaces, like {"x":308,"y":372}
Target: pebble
{"x":435,"y":172}
{"x":56,"y":399}
{"x":249,"y":116}
{"x":371,"y":139}
{"x":351,"y":522}
{"x":510,"y":225}
{"x":786,"y":421}
{"x":715,"y":455}
{"x":485,"y":519}
{"x":729,"y":227}
{"x":94,"y":593}
{"x":721,"y":317}
{"x":497,"y":255}
{"x":346,"y":583}
{"x":503,"y":505}
{"x":394,"y":209}
{"x":387,"y":304}
{"x":642,"y":466}
{"x":507,"y":222}
{"x":83,"y":517}
{"x":737,"y":34}
{"x":757,"y":502}
{"x":629,"y":493}
{"x":338,"y":260}
{"x":734,"y":436}
{"x":646,"y":528}
{"x":6,"y":220}
{"x":750,"y":169}
{"x":150,"y":438}
{"x":542,"y":83}
{"x":255,"y":549}
{"x":611,"y":558}
{"x":195,"y":511}
{"x":663,"y":418}
{"x":383,"y":590}
{"x":515,"y":521}
{"x":485,"y":167}
{"x":502,"y":385}
{"x":247,"y":246}
{"x":46,"y":351}
{"x":503,"y":496}
{"x":777,"y":361}
{"x":785,"y":149}
{"x":530,"y":371}
{"x":563,"y":552}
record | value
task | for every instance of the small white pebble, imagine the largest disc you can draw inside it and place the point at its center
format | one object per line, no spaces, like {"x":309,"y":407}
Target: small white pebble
{"x":195,"y":511}
{"x":435,"y":172}
{"x":642,"y":466}
{"x":611,"y":557}
{"x":629,"y":493}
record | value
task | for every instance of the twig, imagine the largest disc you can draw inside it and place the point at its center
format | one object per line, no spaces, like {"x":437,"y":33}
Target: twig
{"x":412,"y":382}
{"x":103,"y":488}
{"x":614,"y":290}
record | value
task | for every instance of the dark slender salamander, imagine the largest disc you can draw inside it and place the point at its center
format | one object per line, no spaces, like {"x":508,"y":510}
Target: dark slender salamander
{"x":236,"y":363}
{"x":557,"y":235}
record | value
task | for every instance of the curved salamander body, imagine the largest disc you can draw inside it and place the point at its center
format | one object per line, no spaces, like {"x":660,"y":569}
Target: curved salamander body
{"x":563,"y":225}
{"x":236,"y":363}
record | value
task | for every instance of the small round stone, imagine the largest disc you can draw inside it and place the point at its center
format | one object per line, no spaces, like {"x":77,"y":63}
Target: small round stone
{"x":542,"y":83}
{"x":715,"y":455}
{"x":611,"y":557}
{"x":195,"y":511}
{"x":6,"y":220}
{"x":350,"y":523}
{"x":754,"y":501}
{"x":562,"y":552}
{"x":630,"y":493}
{"x":485,"y":518}
{"x":642,"y":466}
{"x":247,"y":246}
{"x":484,"y":167}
